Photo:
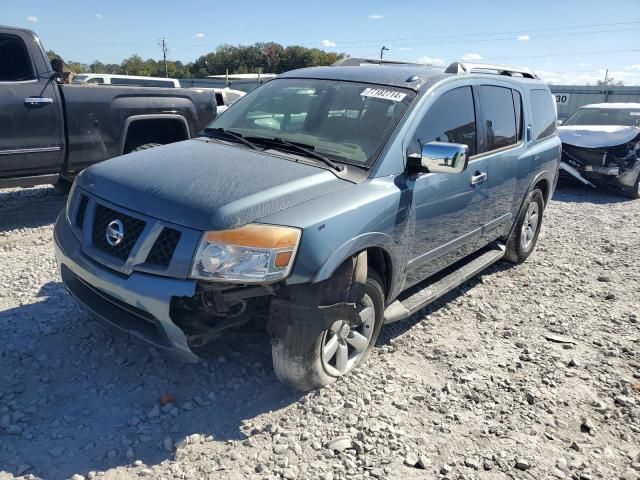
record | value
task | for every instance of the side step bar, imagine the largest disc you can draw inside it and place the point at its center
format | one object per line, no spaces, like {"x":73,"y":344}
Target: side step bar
{"x":420,"y":296}
{"x":29,"y":181}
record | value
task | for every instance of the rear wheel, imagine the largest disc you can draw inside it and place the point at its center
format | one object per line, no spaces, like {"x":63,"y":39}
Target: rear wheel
{"x":525,"y":233}
{"x":305,"y":360}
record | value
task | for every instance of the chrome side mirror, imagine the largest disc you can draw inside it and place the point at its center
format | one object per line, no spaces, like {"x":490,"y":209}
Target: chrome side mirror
{"x":440,"y":157}
{"x":558,"y":123}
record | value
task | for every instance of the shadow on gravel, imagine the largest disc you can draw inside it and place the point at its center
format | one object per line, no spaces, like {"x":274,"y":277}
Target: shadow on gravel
{"x":389,"y":332}
{"x":29,"y":207}
{"x":76,"y":397}
{"x":573,"y":192}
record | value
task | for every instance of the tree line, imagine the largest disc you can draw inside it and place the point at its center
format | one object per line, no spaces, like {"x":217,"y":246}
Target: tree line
{"x":267,"y":57}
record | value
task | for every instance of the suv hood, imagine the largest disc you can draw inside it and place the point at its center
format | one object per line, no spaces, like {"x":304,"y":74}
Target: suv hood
{"x":207,"y":185}
{"x":597,"y":136}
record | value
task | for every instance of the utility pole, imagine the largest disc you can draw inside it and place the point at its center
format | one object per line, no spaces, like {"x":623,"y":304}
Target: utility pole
{"x":164,"y":56}
{"x":382,"y":51}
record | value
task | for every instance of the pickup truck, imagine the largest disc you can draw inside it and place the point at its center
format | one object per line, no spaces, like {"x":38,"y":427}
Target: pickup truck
{"x":49,"y":131}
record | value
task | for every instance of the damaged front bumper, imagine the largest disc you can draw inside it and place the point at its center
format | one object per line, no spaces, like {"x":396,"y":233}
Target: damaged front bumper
{"x":617,"y":166}
{"x":138,"y":304}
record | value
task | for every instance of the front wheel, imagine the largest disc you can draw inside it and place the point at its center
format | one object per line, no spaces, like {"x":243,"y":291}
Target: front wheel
{"x":634,"y":192}
{"x":306,"y":360}
{"x":525,"y":233}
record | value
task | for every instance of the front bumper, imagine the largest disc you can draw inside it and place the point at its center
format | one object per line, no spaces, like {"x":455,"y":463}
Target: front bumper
{"x":138,"y":303}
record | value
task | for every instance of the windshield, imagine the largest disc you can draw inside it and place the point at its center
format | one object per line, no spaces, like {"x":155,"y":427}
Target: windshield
{"x":343,"y":121}
{"x":80,"y":78}
{"x":628,"y":117}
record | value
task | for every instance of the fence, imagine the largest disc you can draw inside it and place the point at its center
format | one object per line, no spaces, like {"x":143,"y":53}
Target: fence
{"x":244,"y":85}
{"x":571,"y":97}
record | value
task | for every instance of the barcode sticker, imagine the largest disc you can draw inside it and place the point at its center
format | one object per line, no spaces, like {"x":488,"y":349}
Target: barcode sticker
{"x":383,"y":94}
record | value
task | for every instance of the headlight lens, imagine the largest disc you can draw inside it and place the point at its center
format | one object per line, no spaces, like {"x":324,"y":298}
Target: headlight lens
{"x":250,"y":254}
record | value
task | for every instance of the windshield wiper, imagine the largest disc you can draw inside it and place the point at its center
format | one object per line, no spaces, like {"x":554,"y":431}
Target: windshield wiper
{"x":304,"y":149}
{"x":236,"y":136}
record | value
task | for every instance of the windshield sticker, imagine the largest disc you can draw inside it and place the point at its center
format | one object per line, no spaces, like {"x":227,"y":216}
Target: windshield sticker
{"x":383,"y":94}
{"x":635,"y":114}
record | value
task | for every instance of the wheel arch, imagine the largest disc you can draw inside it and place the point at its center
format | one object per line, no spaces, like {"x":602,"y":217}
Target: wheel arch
{"x":380,"y":257}
{"x":133,"y":123}
{"x":542,"y":180}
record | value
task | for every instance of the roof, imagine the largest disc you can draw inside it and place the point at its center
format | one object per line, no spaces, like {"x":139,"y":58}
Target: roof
{"x":385,"y":74}
{"x":612,"y":105}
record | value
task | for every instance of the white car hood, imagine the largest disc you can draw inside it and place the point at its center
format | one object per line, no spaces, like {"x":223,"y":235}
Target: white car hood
{"x":596,"y":136}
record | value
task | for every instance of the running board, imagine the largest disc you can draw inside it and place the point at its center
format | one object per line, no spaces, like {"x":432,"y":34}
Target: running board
{"x":416,"y":297}
{"x":29,"y":181}
{"x":575,"y":173}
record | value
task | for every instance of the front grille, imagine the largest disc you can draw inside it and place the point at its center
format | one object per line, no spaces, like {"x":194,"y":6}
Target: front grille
{"x":163,"y":248}
{"x":584,"y":156}
{"x":82,"y":210}
{"x":133,"y":227}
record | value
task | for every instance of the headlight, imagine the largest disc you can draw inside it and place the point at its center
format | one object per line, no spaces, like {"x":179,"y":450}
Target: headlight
{"x":250,"y":254}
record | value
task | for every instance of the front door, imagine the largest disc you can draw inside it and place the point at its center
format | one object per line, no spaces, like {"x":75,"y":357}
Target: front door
{"x":449,"y":207}
{"x":30,"y":121}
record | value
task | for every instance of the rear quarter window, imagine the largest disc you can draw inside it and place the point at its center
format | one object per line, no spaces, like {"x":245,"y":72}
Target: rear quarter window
{"x":543,"y":114}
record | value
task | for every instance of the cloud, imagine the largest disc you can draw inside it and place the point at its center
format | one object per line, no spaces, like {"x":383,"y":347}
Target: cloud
{"x":98,"y":15}
{"x":633,"y":67}
{"x":583,"y":64}
{"x":375,"y":17}
{"x":199,"y":35}
{"x":631,"y":78}
{"x":471,"y":57}
{"x":328,"y":43}
{"x":524,"y":37}
{"x":404,"y":49}
{"x":32,"y":19}
{"x":436,"y":62}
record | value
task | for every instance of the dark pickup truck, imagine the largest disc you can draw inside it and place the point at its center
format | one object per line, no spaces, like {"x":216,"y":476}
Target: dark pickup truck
{"x":51,"y":131}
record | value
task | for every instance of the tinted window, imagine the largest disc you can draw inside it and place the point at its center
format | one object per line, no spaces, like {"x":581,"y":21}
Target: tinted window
{"x":141,"y":82}
{"x":219,"y":99}
{"x":95,"y":80}
{"x":15,"y":64}
{"x":451,"y":119}
{"x":499,"y":117}
{"x":543,"y":113}
{"x":517,"y":105}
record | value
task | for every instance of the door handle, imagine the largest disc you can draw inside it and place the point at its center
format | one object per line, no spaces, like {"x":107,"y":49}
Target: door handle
{"x":38,"y":100}
{"x":478,"y":178}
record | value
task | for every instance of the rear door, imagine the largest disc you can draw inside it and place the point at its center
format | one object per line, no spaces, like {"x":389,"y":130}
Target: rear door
{"x":449,"y":207}
{"x":502,"y":133}
{"x":30,"y":117}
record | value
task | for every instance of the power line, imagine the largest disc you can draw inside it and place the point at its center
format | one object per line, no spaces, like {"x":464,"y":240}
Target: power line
{"x":571,"y":54}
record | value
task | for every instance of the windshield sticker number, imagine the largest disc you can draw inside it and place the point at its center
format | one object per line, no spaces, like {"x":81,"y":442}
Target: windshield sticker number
{"x":383,"y":94}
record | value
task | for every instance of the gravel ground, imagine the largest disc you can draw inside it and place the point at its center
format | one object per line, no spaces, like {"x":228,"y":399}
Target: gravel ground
{"x":525,"y":372}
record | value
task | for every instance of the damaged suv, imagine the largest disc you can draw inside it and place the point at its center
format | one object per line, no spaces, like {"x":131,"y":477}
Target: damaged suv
{"x":601,"y":146}
{"x":329,"y":201}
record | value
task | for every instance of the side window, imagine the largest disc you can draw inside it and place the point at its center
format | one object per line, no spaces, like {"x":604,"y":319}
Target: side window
{"x":499,"y":117}
{"x":219,"y":99}
{"x":451,"y":119}
{"x":95,"y":80}
{"x":15,"y":63}
{"x":517,"y":105}
{"x":543,"y":113}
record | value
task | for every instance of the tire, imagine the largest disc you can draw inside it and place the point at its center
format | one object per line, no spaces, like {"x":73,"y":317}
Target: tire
{"x":146,"y":146}
{"x":634,"y":192}
{"x":299,"y":360}
{"x":63,"y":186}
{"x":524,"y":236}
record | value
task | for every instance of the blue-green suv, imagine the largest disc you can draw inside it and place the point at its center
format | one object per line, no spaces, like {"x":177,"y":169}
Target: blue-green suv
{"x":329,"y":200}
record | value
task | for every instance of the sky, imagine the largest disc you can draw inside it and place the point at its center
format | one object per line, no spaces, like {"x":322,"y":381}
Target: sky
{"x":565,"y":42}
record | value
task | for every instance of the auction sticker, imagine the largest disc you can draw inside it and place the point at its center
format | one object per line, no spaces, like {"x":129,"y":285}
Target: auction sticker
{"x":383,"y":94}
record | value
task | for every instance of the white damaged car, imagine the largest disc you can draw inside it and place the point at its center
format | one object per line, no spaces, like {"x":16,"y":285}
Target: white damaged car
{"x":601,"y":146}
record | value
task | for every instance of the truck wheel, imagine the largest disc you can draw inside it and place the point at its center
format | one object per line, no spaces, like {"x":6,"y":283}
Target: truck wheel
{"x":63,"y":186}
{"x":525,"y":233}
{"x":146,"y":146}
{"x":306,"y":361}
{"x":634,"y":192}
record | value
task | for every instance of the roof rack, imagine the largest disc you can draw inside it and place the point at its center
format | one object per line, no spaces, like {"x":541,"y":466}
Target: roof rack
{"x":355,"y":62}
{"x":460,"y":67}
